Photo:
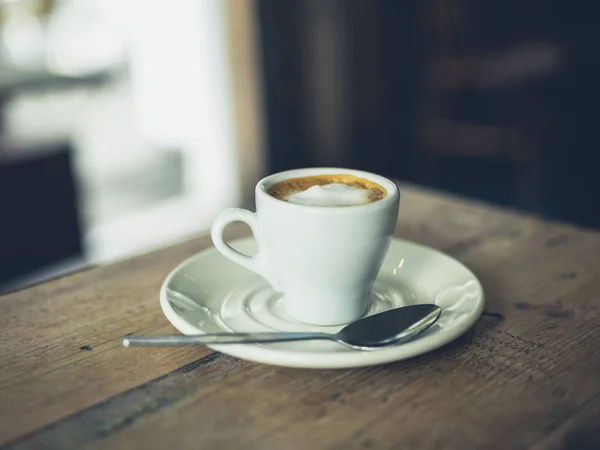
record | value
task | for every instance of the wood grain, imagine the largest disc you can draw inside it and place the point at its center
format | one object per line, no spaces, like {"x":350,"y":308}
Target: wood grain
{"x":525,"y":377}
{"x":60,"y":341}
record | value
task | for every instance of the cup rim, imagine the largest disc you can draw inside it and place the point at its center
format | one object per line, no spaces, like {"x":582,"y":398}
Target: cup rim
{"x":393,"y":192}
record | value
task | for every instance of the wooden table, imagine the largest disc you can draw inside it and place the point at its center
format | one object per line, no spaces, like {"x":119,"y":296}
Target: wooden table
{"x":527,"y":376}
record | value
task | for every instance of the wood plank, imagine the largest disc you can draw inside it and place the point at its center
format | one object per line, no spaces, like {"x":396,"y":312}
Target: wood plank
{"x":486,"y":383}
{"x":506,"y":384}
{"x":517,"y":376}
{"x":60,"y":341}
{"x":579,"y":432}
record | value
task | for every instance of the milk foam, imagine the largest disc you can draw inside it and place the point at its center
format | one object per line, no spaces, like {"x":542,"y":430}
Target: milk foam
{"x":335,"y":194}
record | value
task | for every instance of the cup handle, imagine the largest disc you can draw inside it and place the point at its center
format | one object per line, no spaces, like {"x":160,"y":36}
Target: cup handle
{"x":256,"y":263}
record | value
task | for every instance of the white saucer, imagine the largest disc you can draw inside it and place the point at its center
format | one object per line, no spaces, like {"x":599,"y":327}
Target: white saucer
{"x":209,"y":294}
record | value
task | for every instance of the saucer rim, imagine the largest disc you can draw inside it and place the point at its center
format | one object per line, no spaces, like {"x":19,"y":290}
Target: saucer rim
{"x":327,"y":360}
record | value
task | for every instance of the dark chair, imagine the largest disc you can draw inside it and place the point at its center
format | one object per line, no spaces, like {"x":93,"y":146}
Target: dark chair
{"x":39,"y":218}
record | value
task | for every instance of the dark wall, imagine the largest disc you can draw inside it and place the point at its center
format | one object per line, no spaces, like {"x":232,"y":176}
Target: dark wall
{"x":389,"y":48}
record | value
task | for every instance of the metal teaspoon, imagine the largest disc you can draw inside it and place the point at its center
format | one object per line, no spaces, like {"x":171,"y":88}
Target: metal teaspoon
{"x":385,"y":328}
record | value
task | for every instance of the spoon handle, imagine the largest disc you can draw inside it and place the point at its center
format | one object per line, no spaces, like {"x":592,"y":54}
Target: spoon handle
{"x":220,"y":338}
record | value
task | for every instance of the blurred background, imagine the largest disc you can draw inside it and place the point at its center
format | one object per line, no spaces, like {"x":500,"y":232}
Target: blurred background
{"x":127,"y":126}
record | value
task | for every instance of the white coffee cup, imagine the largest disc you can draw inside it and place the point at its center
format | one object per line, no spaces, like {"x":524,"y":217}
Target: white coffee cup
{"x":324,"y":260}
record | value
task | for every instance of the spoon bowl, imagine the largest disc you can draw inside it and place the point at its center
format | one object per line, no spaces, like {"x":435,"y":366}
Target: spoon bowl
{"x":390,"y":327}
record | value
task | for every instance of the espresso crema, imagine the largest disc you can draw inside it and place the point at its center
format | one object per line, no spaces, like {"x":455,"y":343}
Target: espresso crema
{"x":328,"y":190}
